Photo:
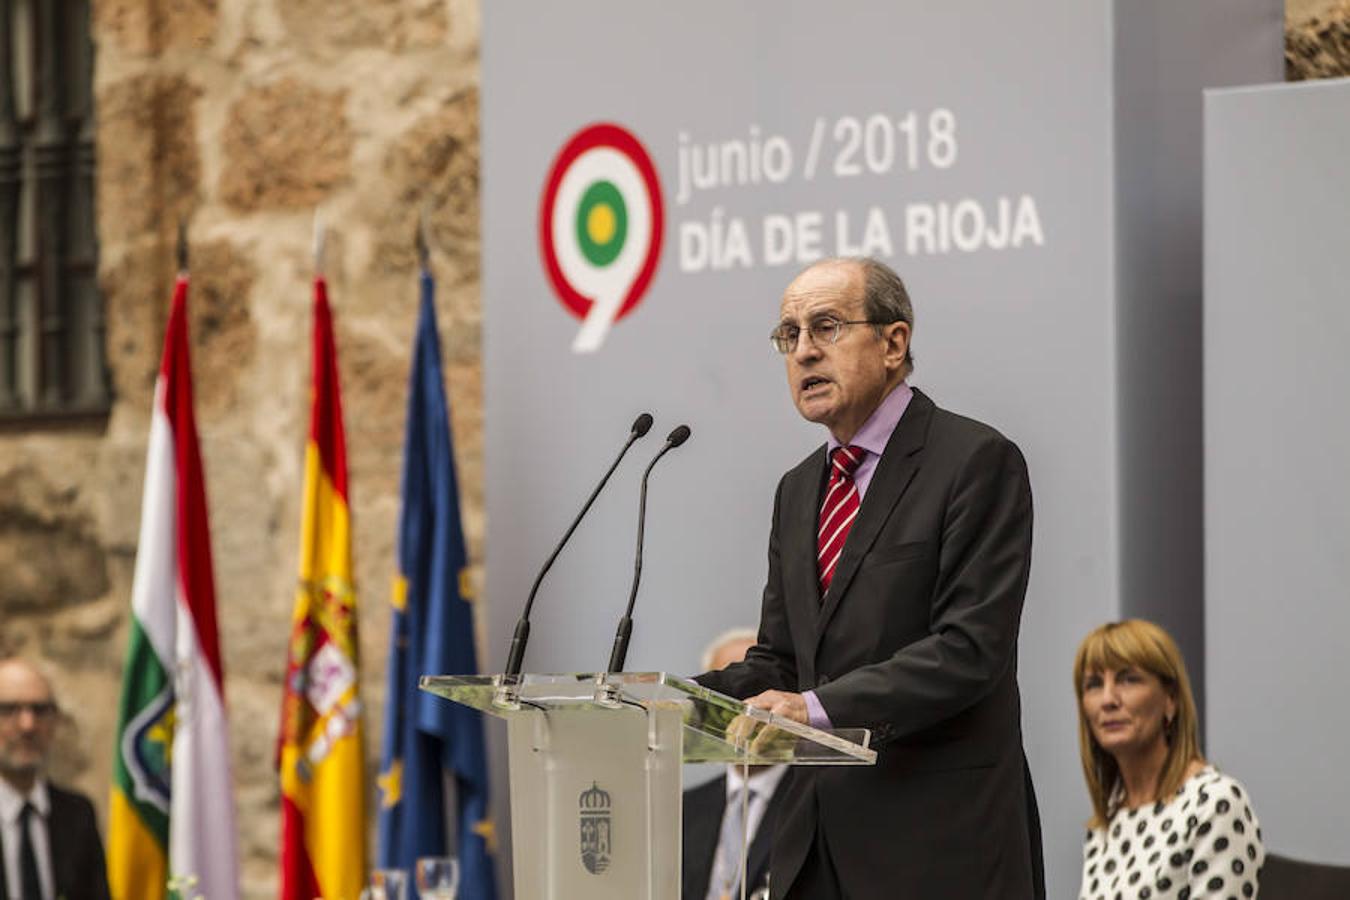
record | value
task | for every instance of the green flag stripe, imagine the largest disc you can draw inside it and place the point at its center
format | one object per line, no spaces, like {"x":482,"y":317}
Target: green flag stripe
{"x":144,"y":734}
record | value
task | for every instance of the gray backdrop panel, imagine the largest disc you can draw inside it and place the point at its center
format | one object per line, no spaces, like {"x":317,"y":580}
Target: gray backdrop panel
{"x":1028,"y":338}
{"x":1277,"y":439}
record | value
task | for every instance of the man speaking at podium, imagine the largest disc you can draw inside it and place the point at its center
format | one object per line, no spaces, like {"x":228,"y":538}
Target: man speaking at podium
{"x":898,"y":561}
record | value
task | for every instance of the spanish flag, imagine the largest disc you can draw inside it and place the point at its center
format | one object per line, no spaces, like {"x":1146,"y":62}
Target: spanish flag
{"x":171,"y":820}
{"x":320,"y":750}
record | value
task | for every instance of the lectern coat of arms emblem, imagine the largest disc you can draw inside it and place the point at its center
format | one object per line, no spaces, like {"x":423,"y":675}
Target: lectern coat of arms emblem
{"x":595,"y":824}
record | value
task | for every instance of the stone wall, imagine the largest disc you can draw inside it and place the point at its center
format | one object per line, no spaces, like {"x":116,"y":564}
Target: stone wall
{"x":1317,"y":42}
{"x":247,"y":118}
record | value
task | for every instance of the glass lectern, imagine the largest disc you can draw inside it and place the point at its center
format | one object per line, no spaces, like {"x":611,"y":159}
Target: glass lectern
{"x":595,"y":767}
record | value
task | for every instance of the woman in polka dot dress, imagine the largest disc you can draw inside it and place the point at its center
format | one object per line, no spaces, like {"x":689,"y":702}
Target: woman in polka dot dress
{"x":1166,"y":825}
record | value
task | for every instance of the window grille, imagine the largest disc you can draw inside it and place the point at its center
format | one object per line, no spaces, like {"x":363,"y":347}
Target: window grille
{"x":52,"y":360}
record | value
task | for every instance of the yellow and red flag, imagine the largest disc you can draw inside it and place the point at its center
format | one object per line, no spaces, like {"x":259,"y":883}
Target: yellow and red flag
{"x":320,"y":752}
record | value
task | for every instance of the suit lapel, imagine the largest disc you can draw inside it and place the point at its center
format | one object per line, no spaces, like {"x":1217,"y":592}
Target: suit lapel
{"x":4,"y":872}
{"x":801,"y":521}
{"x":893,"y":474}
{"x":57,"y":824}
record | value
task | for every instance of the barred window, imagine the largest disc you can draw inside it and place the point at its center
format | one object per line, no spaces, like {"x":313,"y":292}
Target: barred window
{"x":52,"y":359}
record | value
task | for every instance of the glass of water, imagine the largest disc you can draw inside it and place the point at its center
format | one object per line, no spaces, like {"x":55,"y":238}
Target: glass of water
{"x":388,"y":884}
{"x":437,"y":877}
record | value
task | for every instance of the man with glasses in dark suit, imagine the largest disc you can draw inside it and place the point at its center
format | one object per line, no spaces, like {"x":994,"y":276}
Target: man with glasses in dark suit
{"x":49,"y":836}
{"x":898,"y":562}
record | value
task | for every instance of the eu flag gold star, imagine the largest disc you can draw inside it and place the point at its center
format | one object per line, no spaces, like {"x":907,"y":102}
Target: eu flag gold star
{"x":487,"y":830}
{"x":391,"y":785}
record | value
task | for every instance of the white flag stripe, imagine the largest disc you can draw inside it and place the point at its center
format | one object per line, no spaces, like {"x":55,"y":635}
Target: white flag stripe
{"x":201,"y":824}
{"x":156,"y":574}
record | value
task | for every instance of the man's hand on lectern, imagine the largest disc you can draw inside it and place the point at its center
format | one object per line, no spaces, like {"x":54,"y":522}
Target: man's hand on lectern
{"x":783,"y":704}
{"x":767,"y":741}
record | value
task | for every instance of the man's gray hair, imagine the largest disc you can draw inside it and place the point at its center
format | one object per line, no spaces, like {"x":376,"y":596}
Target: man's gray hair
{"x":729,"y":636}
{"x":885,"y":298}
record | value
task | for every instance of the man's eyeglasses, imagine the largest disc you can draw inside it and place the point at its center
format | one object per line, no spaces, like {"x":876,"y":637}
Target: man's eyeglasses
{"x":824,"y":330}
{"x":41,"y":711}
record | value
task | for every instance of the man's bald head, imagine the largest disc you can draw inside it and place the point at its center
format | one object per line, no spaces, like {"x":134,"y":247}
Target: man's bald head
{"x":727,"y":648}
{"x":21,"y":672}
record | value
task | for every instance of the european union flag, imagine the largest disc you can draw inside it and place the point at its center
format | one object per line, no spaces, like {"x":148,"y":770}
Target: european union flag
{"x":427,"y":738}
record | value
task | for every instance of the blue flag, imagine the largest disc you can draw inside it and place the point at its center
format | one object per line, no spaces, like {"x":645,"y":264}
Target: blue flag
{"x":428,"y":741}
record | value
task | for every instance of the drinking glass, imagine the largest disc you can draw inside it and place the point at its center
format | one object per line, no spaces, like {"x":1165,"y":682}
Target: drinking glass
{"x":389,"y":884}
{"x":437,"y":877}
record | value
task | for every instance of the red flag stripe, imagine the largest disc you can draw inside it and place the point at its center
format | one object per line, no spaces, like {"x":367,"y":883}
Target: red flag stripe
{"x":296,"y":869}
{"x":325,"y":424}
{"x":195,"y":575}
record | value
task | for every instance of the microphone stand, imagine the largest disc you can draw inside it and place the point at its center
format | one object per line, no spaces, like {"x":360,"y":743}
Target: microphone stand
{"x":606,"y":692}
{"x":507,"y":694}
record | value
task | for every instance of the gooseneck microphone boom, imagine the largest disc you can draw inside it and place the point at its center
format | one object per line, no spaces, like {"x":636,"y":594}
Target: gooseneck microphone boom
{"x":516,"y":657}
{"x":625,"y":629}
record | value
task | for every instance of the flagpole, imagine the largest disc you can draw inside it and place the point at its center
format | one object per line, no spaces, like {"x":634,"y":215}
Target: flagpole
{"x":320,"y":235}
{"x":421,"y":241}
{"x":182,"y":249}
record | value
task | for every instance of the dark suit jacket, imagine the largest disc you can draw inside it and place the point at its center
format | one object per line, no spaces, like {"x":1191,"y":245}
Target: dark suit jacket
{"x":703,"y":808}
{"x":77,"y":851}
{"x":916,"y":639}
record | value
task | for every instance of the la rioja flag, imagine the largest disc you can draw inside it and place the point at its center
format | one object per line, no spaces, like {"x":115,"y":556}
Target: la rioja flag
{"x":172,"y":812}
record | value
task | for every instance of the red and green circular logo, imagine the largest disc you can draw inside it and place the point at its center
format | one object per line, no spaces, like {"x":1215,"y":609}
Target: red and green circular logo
{"x":600,"y":228}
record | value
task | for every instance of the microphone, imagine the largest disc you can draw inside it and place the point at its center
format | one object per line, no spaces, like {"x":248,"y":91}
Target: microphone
{"x":515,"y":658}
{"x":625,"y":629}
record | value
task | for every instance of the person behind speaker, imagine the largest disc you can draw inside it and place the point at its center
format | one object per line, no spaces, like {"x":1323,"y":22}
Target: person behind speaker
{"x":1165,"y":823}
{"x":899,"y":554}
{"x":711,"y":810}
{"x":49,"y":836}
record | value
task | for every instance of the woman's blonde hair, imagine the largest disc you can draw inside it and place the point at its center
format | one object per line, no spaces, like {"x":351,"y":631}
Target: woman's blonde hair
{"x":1145,"y":646}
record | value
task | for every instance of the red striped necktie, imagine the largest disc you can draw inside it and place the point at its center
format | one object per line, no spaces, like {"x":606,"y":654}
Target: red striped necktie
{"x":837,"y":512}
